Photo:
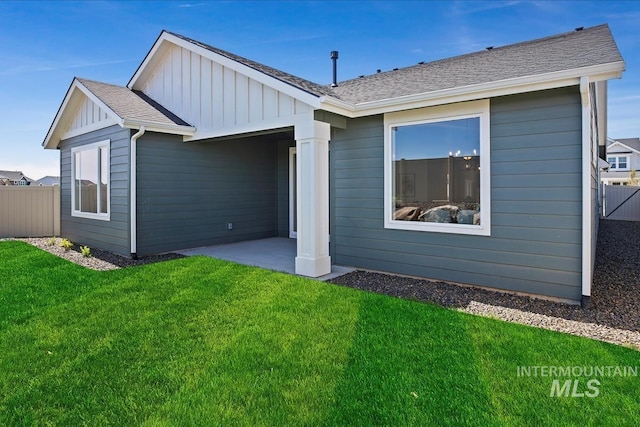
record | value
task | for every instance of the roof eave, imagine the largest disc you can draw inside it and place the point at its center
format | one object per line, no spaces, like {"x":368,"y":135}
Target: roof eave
{"x":479,"y":91}
{"x":54,"y":135}
{"x":151,"y":57}
{"x":623,"y":145}
{"x":48,"y":142}
{"x":159,"y":127}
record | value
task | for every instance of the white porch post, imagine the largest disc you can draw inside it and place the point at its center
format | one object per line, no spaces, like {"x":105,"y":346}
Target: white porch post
{"x":312,"y":170}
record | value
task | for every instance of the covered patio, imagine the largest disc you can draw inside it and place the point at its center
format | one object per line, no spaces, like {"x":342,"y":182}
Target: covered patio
{"x":275,"y":253}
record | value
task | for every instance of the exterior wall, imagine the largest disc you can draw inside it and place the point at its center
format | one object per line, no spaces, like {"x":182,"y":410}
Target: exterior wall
{"x":110,"y":235}
{"x":615,"y":178}
{"x":88,"y":117}
{"x":216,"y":99}
{"x":535,"y":242}
{"x":189,"y":192}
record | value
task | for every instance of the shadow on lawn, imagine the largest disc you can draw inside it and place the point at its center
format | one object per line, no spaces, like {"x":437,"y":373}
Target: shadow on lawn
{"x":405,"y":368}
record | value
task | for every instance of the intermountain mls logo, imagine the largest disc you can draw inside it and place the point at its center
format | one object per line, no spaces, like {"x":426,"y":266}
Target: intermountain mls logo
{"x":583,"y":380}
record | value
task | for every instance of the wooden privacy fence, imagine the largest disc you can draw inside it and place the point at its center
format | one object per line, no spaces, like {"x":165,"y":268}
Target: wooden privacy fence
{"x":29,"y":211}
{"x":621,"y":202}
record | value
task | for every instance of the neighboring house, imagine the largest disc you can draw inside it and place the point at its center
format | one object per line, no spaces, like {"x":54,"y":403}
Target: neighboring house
{"x":479,"y":169}
{"x":623,"y":156}
{"x":14,"y":178}
{"x":47,"y":181}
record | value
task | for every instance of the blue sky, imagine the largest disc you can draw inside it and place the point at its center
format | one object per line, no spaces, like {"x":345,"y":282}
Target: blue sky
{"x":43,"y":45}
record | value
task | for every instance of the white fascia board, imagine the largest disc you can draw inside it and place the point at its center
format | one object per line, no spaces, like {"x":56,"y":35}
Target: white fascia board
{"x":155,"y":55}
{"x":338,"y":106}
{"x":159,"y":127}
{"x":53,"y":130}
{"x":252,"y":73}
{"x":247,"y":129}
{"x":623,"y":145}
{"x":96,"y":126}
{"x":480,"y":91}
{"x":70,"y":101}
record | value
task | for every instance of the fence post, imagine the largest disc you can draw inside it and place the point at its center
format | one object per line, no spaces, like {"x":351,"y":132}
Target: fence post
{"x":56,"y":210}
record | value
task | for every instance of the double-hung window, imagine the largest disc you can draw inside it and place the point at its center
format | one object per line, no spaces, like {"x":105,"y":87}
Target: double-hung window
{"x":90,"y":186}
{"x":437,"y":169}
{"x":619,"y":163}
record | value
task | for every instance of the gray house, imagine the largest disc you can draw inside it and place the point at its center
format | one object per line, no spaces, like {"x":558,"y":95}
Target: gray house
{"x":623,"y":156}
{"x":47,"y":180}
{"x":14,"y":178}
{"x":478,"y":169}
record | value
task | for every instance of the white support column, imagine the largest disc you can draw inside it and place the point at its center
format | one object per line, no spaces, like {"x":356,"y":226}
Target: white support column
{"x":312,"y":170}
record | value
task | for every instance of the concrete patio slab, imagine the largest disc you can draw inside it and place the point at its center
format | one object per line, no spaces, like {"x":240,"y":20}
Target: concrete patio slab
{"x":275,"y":253}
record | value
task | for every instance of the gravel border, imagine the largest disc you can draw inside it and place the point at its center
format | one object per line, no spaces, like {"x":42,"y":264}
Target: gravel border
{"x":613,"y":316}
{"x":99,"y":260}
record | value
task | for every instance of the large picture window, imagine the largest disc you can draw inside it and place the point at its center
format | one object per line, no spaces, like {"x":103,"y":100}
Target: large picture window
{"x":437,"y":169}
{"x":90,"y":181}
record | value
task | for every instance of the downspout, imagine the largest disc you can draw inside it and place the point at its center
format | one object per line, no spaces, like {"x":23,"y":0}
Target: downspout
{"x":587,"y":214}
{"x":133,"y":184}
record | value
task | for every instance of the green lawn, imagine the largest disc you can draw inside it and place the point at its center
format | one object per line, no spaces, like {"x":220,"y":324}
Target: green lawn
{"x":202,"y":342}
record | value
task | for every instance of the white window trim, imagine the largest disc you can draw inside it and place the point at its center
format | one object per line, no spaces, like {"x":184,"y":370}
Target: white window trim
{"x":437,"y":114}
{"x":617,"y":158}
{"x":100,"y":216}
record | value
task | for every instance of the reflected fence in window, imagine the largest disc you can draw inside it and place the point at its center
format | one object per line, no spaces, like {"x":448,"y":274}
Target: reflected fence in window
{"x":430,"y":187}
{"x":438,"y":190}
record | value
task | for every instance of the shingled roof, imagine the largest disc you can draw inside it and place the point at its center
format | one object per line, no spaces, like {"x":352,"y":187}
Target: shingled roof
{"x":14,"y":175}
{"x":131,"y":105}
{"x":629,"y":142}
{"x":582,"y":47}
{"x":559,"y":59}
{"x":298,"y":82}
{"x":132,"y":109}
{"x":572,"y":50}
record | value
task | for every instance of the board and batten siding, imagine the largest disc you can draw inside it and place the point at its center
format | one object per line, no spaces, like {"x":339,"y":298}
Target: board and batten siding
{"x":112,"y":235}
{"x":217,"y":99}
{"x":535,"y":242}
{"x":189,"y":192}
{"x":88,"y":116}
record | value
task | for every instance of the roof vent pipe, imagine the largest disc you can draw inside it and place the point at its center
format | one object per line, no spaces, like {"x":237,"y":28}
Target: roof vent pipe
{"x":334,"y":58}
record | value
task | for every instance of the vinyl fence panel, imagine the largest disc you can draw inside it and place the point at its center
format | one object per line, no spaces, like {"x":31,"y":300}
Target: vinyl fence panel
{"x":622,"y":202}
{"x":29,"y":211}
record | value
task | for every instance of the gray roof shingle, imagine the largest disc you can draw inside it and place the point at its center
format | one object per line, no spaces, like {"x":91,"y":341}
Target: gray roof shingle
{"x":298,"y":82}
{"x":131,"y":105}
{"x":14,"y":175}
{"x":576,"y":49}
{"x":629,"y":142}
